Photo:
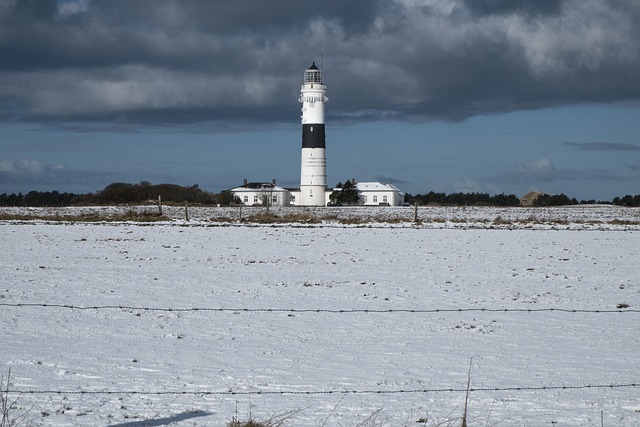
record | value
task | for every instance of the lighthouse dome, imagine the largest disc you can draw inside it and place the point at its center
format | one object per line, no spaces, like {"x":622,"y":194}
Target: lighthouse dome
{"x":313,"y":75}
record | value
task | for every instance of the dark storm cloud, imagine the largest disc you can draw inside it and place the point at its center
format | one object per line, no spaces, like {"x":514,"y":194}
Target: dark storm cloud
{"x":488,"y":7}
{"x":603,"y":146}
{"x":37,"y":9}
{"x":171,"y":61}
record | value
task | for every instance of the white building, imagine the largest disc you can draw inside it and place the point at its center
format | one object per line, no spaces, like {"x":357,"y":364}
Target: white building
{"x":262,"y":193}
{"x":371,"y":194}
{"x":379,"y":194}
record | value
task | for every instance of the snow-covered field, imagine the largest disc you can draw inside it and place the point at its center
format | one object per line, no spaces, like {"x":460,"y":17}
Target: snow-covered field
{"x":390,"y":358}
{"x":584,"y":217}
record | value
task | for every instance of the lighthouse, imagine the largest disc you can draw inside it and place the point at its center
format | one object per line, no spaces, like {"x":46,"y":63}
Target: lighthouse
{"x":313,"y":168}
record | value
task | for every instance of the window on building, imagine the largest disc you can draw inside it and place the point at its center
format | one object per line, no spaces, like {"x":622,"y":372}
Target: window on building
{"x":384,"y":199}
{"x":255,"y":199}
{"x":246,"y":199}
{"x":364,"y":198}
{"x":274,"y":199}
{"x":375,"y":199}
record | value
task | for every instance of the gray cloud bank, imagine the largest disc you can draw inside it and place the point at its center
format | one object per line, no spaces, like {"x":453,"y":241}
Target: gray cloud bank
{"x":603,"y":146}
{"x":28,"y":174}
{"x":177,"y":61}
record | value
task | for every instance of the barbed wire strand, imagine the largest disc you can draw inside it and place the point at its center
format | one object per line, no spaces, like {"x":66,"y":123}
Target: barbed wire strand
{"x":318,"y":392}
{"x":318,"y":310}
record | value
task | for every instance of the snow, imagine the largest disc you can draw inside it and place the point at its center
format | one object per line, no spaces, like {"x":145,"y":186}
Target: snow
{"x":583,"y":217}
{"x":409,"y":361}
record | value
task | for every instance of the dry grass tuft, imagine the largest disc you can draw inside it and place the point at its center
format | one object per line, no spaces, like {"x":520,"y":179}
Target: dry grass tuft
{"x":623,"y":222}
{"x":501,"y":221}
{"x":275,"y":421}
{"x":93,"y":217}
{"x":271,"y":218}
{"x":351,"y":221}
{"x":8,"y":406}
{"x":235,"y":423}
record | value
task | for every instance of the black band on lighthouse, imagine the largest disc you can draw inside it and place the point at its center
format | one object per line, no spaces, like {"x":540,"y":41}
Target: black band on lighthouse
{"x":313,"y":136}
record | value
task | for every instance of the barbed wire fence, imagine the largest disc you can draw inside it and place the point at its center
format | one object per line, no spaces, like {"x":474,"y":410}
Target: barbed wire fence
{"x":321,"y":392}
{"x":231,"y":392}
{"x":320,"y":310}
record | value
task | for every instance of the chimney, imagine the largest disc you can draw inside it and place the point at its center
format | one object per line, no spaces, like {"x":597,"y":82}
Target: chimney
{"x":353,"y":181}
{"x":244,"y":183}
{"x":273,"y":181}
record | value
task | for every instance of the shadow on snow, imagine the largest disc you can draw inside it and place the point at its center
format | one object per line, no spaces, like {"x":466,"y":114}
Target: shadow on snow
{"x":163,"y":421}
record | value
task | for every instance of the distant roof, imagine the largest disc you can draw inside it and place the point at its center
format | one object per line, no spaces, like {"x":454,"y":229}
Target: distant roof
{"x":530,"y":198}
{"x":259,"y":185}
{"x":376,"y":186}
{"x":256,"y":186}
{"x":532,"y":195}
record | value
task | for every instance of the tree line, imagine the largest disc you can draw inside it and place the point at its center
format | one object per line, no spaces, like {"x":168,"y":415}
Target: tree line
{"x":628,"y":200}
{"x":484,"y":199}
{"x":113,"y":194}
{"x":145,"y":192}
{"x":464,"y":199}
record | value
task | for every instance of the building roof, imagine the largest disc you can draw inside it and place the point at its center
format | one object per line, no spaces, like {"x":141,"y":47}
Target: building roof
{"x":530,"y":198}
{"x":258,"y":186}
{"x":376,"y":186}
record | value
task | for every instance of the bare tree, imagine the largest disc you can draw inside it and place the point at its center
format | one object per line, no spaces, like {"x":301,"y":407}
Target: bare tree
{"x":266,"y":197}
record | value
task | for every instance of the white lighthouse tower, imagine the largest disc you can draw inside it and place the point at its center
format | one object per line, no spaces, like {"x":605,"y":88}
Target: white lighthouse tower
{"x":313,"y":169}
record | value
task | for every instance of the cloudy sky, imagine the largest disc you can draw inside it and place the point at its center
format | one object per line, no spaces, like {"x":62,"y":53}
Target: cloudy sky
{"x":431,"y":95}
